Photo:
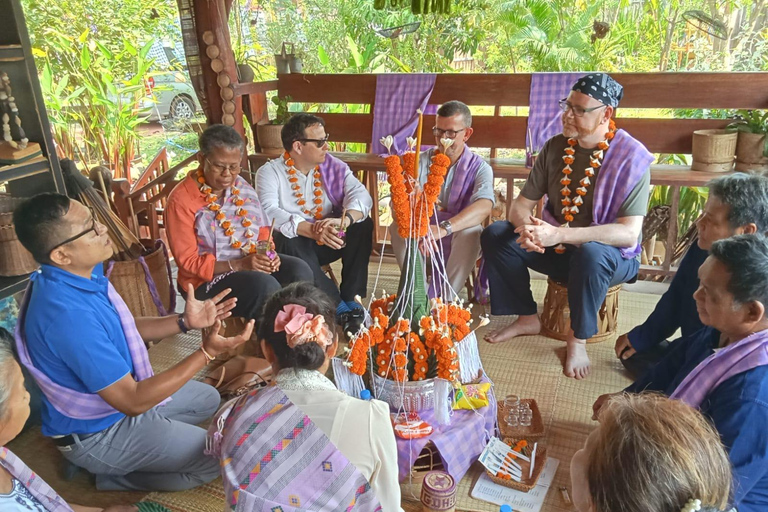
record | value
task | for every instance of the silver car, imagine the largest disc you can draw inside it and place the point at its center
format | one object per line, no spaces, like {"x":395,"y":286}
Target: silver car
{"x":170,"y":96}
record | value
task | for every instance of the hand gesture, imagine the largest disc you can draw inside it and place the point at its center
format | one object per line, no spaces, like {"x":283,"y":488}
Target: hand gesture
{"x":329,"y":235}
{"x":537,"y":235}
{"x":261,"y":263}
{"x":622,"y":344}
{"x":201,"y":314}
{"x":424,"y":243}
{"x":215,"y":344}
{"x":320,"y":225}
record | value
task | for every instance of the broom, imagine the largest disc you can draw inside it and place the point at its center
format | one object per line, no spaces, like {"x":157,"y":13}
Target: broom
{"x":126,"y":245}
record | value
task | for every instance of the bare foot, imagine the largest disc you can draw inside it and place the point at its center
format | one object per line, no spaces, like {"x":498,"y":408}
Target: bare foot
{"x":527,"y":325}
{"x":577,"y":363}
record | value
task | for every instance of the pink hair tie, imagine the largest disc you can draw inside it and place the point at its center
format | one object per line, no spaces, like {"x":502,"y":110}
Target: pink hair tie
{"x":301,"y":327}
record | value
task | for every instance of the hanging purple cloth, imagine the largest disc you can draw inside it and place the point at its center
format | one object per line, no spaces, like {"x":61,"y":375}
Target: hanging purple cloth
{"x":398,"y":97}
{"x":71,"y":403}
{"x":740,"y":357}
{"x":544,"y":120}
{"x":333,"y":171}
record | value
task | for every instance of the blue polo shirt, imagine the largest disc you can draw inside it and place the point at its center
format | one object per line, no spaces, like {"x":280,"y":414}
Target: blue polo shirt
{"x":74,"y":337}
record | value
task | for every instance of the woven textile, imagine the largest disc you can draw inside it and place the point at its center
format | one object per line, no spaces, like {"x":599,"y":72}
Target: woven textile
{"x":72,"y":403}
{"x":398,"y":97}
{"x":740,"y":357}
{"x":210,"y":236}
{"x":333,"y":172}
{"x":544,"y":115}
{"x":274,"y":458}
{"x":34,"y":484}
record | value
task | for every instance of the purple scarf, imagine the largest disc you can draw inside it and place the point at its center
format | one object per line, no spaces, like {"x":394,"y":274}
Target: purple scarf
{"x":732,"y":360}
{"x":71,"y":403}
{"x":544,"y":115}
{"x":625,"y":163}
{"x":333,"y":171}
{"x":36,"y":486}
{"x":398,"y":96}
{"x":210,"y":236}
{"x":274,"y":458}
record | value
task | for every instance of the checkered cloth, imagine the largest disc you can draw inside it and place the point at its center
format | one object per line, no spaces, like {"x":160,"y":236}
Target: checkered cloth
{"x":33,"y":483}
{"x":332,"y":172}
{"x":398,"y":96}
{"x":459,"y":444}
{"x":740,"y":357}
{"x":71,"y":403}
{"x":544,"y":112}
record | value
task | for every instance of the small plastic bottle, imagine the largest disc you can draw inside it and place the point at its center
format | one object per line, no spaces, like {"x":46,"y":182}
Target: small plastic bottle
{"x":505,"y":508}
{"x":365,"y":395}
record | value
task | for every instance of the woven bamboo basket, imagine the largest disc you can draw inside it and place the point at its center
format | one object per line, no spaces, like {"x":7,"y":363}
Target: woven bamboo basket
{"x":428,"y":460}
{"x":534,"y":431}
{"x":713,"y":150}
{"x":556,"y":314}
{"x":269,"y":138}
{"x":15,"y":260}
{"x":131,"y":281}
{"x":527,"y":483}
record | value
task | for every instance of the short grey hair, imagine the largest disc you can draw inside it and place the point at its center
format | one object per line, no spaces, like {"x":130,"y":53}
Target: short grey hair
{"x":746,"y":196}
{"x":6,"y":356}
{"x":453,"y":107}
{"x":746,"y":258}
{"x":220,"y":136}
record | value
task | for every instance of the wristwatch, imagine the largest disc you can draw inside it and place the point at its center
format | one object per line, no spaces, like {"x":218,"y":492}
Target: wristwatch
{"x":446,"y":225}
{"x":351,"y":219}
{"x":182,"y":324}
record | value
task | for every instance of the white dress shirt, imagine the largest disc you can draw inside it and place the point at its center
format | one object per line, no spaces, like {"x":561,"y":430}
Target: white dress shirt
{"x":279,"y":203}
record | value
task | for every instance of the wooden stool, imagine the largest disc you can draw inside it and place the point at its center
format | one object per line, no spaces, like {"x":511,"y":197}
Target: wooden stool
{"x":556,"y":315}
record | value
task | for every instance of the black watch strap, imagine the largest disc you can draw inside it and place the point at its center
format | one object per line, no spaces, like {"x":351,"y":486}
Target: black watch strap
{"x":351,"y":218}
{"x":182,"y":325}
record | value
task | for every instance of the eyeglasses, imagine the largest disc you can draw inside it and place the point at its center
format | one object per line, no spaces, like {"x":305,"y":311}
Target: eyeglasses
{"x":577,"y":110}
{"x":451,"y":134}
{"x":319,"y":142}
{"x":93,"y":228}
{"x":219,"y":169}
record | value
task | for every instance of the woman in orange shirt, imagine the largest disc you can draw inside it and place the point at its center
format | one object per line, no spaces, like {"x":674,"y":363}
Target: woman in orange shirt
{"x":218,"y":231}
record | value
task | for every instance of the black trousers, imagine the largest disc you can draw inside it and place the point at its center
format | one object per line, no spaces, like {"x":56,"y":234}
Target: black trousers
{"x":354,"y":259}
{"x":589,"y":270}
{"x":252,"y":288}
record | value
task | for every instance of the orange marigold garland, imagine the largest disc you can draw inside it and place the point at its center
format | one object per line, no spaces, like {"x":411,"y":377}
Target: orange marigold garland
{"x":227,"y":225}
{"x":571,"y":206}
{"x":317,"y":210}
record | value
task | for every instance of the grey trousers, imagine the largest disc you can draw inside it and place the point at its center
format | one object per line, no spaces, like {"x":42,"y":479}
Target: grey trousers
{"x":160,"y":450}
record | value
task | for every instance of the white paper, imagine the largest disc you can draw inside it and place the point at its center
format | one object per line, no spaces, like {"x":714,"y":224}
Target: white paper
{"x":520,"y":501}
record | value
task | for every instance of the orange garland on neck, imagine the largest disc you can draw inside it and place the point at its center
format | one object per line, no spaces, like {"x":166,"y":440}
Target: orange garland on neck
{"x":317,"y":211}
{"x":571,"y":206}
{"x":227,"y":225}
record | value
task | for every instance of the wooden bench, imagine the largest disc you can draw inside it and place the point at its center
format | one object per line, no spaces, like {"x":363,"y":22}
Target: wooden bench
{"x":648,"y":98}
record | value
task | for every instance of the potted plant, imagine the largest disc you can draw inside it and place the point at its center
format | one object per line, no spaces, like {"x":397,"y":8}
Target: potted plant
{"x":752,"y":144}
{"x":268,"y":134}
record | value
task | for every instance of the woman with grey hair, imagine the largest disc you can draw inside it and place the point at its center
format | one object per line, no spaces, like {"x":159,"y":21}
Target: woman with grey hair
{"x":22,"y":490}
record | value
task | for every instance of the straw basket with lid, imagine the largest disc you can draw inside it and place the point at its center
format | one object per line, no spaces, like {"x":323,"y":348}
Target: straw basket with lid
{"x":713,"y":150}
{"x":15,"y":260}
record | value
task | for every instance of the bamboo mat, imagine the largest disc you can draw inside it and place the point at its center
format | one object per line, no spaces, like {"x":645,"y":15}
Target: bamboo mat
{"x":530,"y":366}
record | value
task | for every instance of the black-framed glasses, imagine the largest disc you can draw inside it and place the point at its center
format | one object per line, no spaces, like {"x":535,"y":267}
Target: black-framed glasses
{"x":318,"y":142}
{"x":578,"y":111}
{"x":79,"y":235}
{"x":451,"y":134}
{"x":219,"y":169}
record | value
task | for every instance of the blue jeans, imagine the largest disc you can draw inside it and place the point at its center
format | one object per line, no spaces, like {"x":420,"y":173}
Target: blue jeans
{"x":587,"y":270}
{"x":160,"y":450}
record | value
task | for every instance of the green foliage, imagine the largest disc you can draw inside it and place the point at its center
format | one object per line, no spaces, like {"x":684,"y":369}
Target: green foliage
{"x":751,"y":121}
{"x":282,"y":114}
{"x":692,"y":200}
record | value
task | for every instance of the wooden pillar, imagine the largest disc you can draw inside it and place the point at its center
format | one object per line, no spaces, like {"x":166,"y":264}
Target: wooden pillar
{"x":218,"y":63}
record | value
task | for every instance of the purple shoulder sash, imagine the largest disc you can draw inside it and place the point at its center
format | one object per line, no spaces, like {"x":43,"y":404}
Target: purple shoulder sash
{"x":333,"y":172}
{"x":463,"y":181}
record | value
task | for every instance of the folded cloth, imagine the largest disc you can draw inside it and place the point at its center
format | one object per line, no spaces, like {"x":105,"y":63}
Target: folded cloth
{"x":398,"y":97}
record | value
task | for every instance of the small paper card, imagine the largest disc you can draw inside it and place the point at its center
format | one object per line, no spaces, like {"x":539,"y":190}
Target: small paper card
{"x":520,"y":501}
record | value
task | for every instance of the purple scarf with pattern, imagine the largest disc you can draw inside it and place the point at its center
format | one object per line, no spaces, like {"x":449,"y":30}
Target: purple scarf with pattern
{"x":274,"y":458}
{"x":333,"y":171}
{"x":71,"y":403}
{"x":398,"y":97}
{"x":732,"y":360}
{"x":34,"y":484}
{"x":210,"y":236}
{"x":625,"y":163}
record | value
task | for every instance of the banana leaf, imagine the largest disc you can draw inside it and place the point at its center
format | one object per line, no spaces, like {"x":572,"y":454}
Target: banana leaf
{"x":413,"y":302}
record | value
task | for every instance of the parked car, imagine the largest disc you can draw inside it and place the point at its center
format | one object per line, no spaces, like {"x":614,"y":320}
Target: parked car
{"x":170,"y":96}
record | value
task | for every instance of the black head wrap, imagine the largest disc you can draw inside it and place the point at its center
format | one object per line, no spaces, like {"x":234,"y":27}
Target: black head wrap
{"x":601,"y":87}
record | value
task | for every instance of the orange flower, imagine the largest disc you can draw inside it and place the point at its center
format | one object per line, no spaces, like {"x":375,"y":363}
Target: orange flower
{"x":566,"y":201}
{"x":568,"y":217}
{"x":289,"y":162}
{"x":301,"y":202}
{"x":246,"y":223}
{"x":568,"y":160}
{"x":214,"y":207}
{"x":229,"y":232}
{"x":226,"y":224}
{"x":239,"y":202}
{"x":400,"y":360}
{"x":201,"y":179}
{"x":293,"y":180}
{"x":318,"y":193}
{"x":318,"y":216}
{"x":567,"y":171}
{"x":237,"y":244}
{"x":220,"y":216}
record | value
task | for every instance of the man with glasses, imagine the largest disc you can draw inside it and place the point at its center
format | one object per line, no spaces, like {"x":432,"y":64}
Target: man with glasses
{"x":597,"y":182}
{"x":103,"y":407}
{"x":465,"y":200}
{"x":305,"y":193}
{"x":215,"y":223}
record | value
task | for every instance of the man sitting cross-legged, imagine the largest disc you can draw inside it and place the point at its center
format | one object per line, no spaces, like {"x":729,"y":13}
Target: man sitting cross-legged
{"x":465,"y":200}
{"x":737,"y":203}
{"x":722,"y":369}
{"x":102,"y":405}
{"x":597,"y":180}
{"x":305,"y":192}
